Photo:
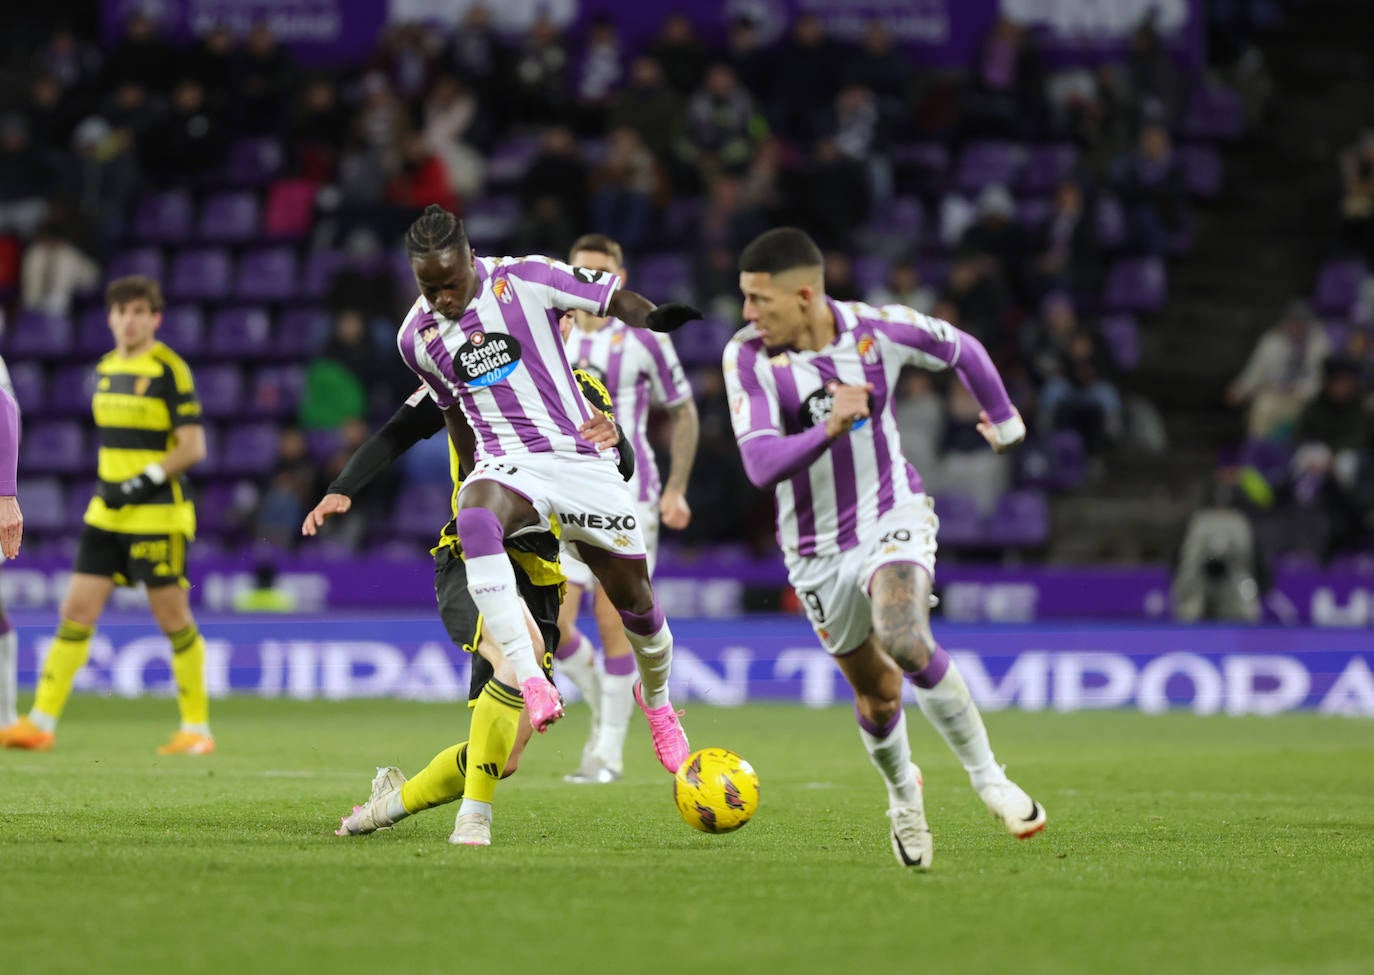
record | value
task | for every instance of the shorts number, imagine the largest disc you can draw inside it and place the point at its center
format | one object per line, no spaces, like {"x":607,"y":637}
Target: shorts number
{"x":813,"y":605}
{"x":900,"y":535}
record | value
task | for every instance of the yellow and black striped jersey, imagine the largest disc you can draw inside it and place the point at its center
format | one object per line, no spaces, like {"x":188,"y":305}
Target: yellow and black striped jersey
{"x":139,"y":403}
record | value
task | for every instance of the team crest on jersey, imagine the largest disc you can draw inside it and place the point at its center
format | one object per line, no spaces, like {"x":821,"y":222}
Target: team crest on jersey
{"x":617,"y":339}
{"x":141,"y":385}
{"x":487,"y":358}
{"x":501,"y":288}
{"x":868,"y":350}
{"x":816,"y":408}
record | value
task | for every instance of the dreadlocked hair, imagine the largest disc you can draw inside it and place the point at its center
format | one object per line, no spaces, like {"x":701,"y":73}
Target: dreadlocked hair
{"x":434,"y":230}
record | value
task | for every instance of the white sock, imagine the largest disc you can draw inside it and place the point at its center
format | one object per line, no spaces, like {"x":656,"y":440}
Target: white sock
{"x":9,"y":679}
{"x":42,"y":720}
{"x":617,"y":705}
{"x":891,"y":756}
{"x":395,"y":808}
{"x":491,"y":583}
{"x":950,"y":708}
{"x":196,"y":729}
{"x":482,"y":809}
{"x":654,"y":658}
{"x":580,"y":668}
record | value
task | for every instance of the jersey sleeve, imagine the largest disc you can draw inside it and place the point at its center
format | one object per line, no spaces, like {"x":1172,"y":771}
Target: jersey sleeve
{"x":183,"y":405}
{"x":919,"y":340}
{"x":565,"y":287}
{"x":753,"y":403}
{"x":668,"y":384}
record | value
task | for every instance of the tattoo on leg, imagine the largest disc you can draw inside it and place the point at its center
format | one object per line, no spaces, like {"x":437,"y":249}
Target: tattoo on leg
{"x":900,"y":602}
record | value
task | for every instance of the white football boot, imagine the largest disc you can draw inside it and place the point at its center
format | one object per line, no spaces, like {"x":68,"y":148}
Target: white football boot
{"x":1007,"y":801}
{"x":911,"y":842}
{"x":471,"y":829}
{"x":372,"y":815}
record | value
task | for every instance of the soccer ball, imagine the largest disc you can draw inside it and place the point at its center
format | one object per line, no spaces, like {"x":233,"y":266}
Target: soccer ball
{"x":716,"y":791}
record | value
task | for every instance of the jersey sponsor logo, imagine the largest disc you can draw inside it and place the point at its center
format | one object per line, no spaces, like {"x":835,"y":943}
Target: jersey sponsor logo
{"x":817,"y":407}
{"x":588,"y":275}
{"x":487,"y":358}
{"x":615,"y":523}
{"x":501,"y":288}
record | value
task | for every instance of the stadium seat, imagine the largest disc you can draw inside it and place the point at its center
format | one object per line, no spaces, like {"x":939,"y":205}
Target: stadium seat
{"x":201,"y":274}
{"x":301,"y":332}
{"x":1338,"y":286}
{"x":511,"y":159}
{"x":1136,"y":284}
{"x":420,"y":511}
{"x":920,"y":167}
{"x":1201,"y":170}
{"x":1046,"y":166}
{"x":1068,"y":460}
{"x":78,"y":499}
{"x":323,"y":443}
{"x":29,"y":382}
{"x":139,"y":260}
{"x":44,"y":503}
{"x":253,"y":162}
{"x":491,"y":222}
{"x":164,"y":218}
{"x":1021,"y":519}
{"x":897,"y":228}
{"x":35,"y":335}
{"x":249,"y":449}
{"x":277,"y":390}
{"x":1110,"y":222}
{"x":93,"y":336}
{"x":1214,"y":112}
{"x":71,"y":389}
{"x":320,"y":268}
{"x":267,"y":274}
{"x":1032,"y":212}
{"x":961,"y":523}
{"x":230,"y":217}
{"x":54,"y":447}
{"x":215,"y":510}
{"x":982,"y":163}
{"x":214,"y":456}
{"x":664,"y":277}
{"x":1123,"y":338}
{"x":869,"y":273}
{"x":221,"y":390}
{"x":183,"y":330}
{"x":241,"y":333}
{"x":289,"y":210}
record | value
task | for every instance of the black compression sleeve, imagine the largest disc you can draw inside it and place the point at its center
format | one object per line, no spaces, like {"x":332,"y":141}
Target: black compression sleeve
{"x":407,"y":427}
{"x":627,"y":455}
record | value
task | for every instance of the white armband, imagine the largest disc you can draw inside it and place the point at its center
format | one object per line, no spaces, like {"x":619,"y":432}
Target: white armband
{"x":156,"y":473}
{"x":1010,"y":430}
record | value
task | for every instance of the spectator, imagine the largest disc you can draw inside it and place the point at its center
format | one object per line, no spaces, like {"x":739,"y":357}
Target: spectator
{"x":966,"y":466}
{"x":1282,"y":374}
{"x":423,"y":179}
{"x":839,"y":277}
{"x":975,"y":289}
{"x":1006,"y":96}
{"x":722,"y":127}
{"x":903,"y":287}
{"x":884,"y":70}
{"x":997,"y":233}
{"x":750,"y":59}
{"x":105,"y":176}
{"x":650,"y":107}
{"x":474,"y":52}
{"x":558,"y":172}
{"x":337,"y":381}
{"x":73,"y":62}
{"x":264,"y":77}
{"x":1150,"y":184}
{"x":623,"y":190}
{"x":364,"y":284}
{"x":51,"y":118}
{"x":213,"y":62}
{"x":140,"y":57}
{"x":291,"y":489}
{"x":454,"y":126}
{"x":680,"y":53}
{"x":1076,"y":377}
{"x":833,"y":197}
{"x":807,"y":70}
{"x":185,"y":142}
{"x":55,"y":271}
{"x":538,"y":91}
{"x":1332,"y":465}
{"x":406,"y":55}
{"x":920,"y":416}
{"x":1357,"y":200}
{"x":317,"y":131}
{"x":24,"y":179}
{"x":1220,"y":572}
{"x":1068,"y":252}
{"x":600,"y":71}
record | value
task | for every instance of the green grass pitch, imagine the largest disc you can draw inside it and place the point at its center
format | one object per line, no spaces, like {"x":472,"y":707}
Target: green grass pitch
{"x":1175,"y":844}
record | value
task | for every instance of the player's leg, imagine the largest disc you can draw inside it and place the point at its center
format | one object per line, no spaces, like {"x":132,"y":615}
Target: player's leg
{"x":9,"y":670}
{"x":576,"y":657}
{"x":160,"y":564}
{"x":488,"y":512}
{"x":99,"y":558}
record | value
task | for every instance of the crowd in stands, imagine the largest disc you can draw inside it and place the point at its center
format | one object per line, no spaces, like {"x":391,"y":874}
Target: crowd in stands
{"x":1034,"y":205}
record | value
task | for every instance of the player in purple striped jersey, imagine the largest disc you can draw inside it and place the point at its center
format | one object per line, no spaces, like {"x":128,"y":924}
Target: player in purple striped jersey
{"x":484,"y":338}
{"x":810,"y":382}
{"x":639,"y":370}
{"x":11,"y":537}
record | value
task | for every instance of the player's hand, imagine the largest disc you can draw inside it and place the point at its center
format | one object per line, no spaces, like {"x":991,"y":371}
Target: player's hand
{"x":11,"y":526}
{"x":1007,"y":437}
{"x":138,"y":488}
{"x":673,"y":507}
{"x":330,"y":504}
{"x":600,"y":430}
{"x":670,"y":317}
{"x":848,"y":405}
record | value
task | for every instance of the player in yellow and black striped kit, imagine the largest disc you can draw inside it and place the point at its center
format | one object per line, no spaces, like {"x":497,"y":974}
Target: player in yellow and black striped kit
{"x":139,"y":521}
{"x":498,"y":732}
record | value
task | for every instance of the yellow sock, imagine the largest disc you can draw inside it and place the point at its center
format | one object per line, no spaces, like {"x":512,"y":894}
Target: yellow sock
{"x":67,"y":655}
{"x":188,"y":669}
{"x":440,"y":781}
{"x":495,"y":722}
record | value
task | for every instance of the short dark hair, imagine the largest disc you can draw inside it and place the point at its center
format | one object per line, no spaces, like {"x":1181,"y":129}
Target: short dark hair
{"x":778,"y":250}
{"x":598,"y":244}
{"x":121,"y":291}
{"x":434,"y":230}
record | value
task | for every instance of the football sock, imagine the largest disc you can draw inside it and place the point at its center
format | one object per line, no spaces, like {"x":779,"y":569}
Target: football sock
{"x":652,"y":641}
{"x":491,"y":583}
{"x":495,"y":722}
{"x":9,"y":672}
{"x":188,"y":669}
{"x":890,"y":752}
{"x":579,"y":666}
{"x":66,"y":656}
{"x":440,"y":781}
{"x":947,"y":704}
{"x":469,"y":806}
{"x":617,"y":704}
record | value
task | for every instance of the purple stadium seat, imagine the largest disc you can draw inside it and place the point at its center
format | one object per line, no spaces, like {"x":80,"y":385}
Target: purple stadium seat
{"x":320,"y":268}
{"x":420,"y":510}
{"x":301,"y":332}
{"x":183,"y":330}
{"x":201,"y":274}
{"x":44,"y":504}
{"x":249,"y":448}
{"x":71,"y":389}
{"x":961,"y":523}
{"x":1338,"y":285}
{"x":34,"y":335}
{"x":1123,"y":338}
{"x":665,"y":277}
{"x":982,"y":163}
{"x":164,"y":218}
{"x":323,"y":443}
{"x":511,"y":159}
{"x":221,"y":390}
{"x":229,"y":217}
{"x":1136,"y":284}
{"x":702,"y":342}
{"x":78,"y":500}
{"x":93,"y":337}
{"x":680,"y":220}
{"x":214,"y":455}
{"x":934,"y":271}
{"x":1068,"y":460}
{"x":1034,"y":211}
{"x":491,"y":221}
{"x":215,"y":503}
{"x":1214,"y":112}
{"x":1201,"y":170}
{"x":1020,"y":520}
{"x":54,"y":447}
{"x":267,"y":274}
{"x":1111,"y":222}
{"x":869,"y":272}
{"x":1270,"y":457}
{"x":1046,"y":167}
{"x":277,"y":390}
{"x":140,"y":260}
{"x":254,"y":162}
{"x":28,"y":382}
{"x":924,"y":166}
{"x":897,"y":228}
{"x":241,"y":333}
{"x":290,"y":209}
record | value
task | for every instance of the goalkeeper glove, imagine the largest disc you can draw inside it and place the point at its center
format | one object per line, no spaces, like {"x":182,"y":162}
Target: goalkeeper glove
{"x":670,"y":317}
{"x":138,"y":488}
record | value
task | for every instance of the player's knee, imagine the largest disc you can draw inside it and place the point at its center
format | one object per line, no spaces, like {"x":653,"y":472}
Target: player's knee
{"x":908,"y":646}
{"x":880,"y":708}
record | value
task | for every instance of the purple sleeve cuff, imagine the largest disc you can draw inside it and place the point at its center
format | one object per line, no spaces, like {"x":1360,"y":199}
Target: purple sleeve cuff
{"x":9,"y":444}
{"x":768,"y":460}
{"x":979,"y":375}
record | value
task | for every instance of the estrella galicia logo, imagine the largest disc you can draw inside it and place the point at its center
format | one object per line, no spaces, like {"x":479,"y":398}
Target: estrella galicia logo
{"x":487,"y":358}
{"x":817,"y":407}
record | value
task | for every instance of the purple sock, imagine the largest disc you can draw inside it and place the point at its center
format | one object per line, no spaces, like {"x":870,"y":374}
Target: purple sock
{"x":933,"y":672}
{"x":879,"y":731}
{"x":620,"y":666}
{"x":479,"y":531}
{"x":566,"y":648}
{"x":643,"y":624}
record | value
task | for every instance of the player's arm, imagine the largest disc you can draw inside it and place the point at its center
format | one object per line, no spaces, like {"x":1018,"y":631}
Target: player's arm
{"x":600,"y":294}
{"x":682,"y":453}
{"x":417,"y":419}
{"x":11,"y":518}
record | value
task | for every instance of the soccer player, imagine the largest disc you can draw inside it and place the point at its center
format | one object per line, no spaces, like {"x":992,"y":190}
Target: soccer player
{"x":11,"y":535}
{"x":139,"y":521}
{"x":483,"y":336}
{"x":499,"y":729}
{"x":810,"y":383}
{"x":640,"y":370}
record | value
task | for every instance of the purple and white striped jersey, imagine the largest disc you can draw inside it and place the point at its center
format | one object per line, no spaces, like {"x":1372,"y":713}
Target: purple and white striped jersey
{"x":640,"y":369}
{"x":502,"y":360}
{"x":831,"y":504}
